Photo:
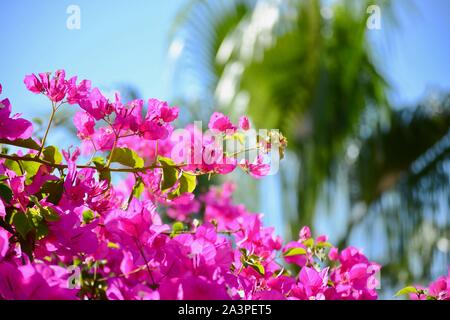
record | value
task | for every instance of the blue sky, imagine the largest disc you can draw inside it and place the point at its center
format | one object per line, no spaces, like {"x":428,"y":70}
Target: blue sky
{"x":415,"y":54}
{"x":120,"y":42}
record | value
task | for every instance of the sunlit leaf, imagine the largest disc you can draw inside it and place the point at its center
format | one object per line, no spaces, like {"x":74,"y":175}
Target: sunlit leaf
{"x":127,"y":157}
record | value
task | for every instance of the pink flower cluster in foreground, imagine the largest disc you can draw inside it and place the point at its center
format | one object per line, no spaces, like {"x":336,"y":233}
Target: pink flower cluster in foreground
{"x":67,"y":232}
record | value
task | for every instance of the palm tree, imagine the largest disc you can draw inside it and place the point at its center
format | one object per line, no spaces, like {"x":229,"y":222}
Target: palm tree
{"x":307,"y":68}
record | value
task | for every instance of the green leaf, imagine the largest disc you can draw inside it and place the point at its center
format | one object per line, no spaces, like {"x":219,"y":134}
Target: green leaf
{"x":252,"y":261}
{"x":14,"y":166}
{"x":170,"y":173}
{"x":323,"y":244}
{"x":34,"y":217}
{"x":3,"y":177}
{"x":138,"y":189}
{"x":41,"y":230}
{"x":52,"y":155}
{"x":53,"y":190}
{"x":406,"y":290}
{"x":5,"y":193}
{"x":188,"y":182}
{"x":127,"y":157}
{"x":177,"y":228}
{"x":100,"y":163}
{"x":21,"y":223}
{"x":170,"y":177}
{"x":258,"y":267}
{"x":50,"y":214}
{"x":113,"y":245}
{"x":27,"y":143}
{"x":295,"y":252}
{"x":309,"y":242}
{"x":41,"y":212}
{"x":164,"y":161}
{"x":88,"y":216}
{"x":29,"y":168}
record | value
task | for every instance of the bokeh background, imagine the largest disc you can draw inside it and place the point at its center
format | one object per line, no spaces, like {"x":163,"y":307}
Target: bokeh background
{"x":366,"y":111}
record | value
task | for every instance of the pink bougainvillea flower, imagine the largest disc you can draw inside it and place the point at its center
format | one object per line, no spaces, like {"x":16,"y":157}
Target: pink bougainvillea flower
{"x":257,"y":169}
{"x":33,"y":84}
{"x":2,"y":209}
{"x":193,"y":288}
{"x":244,"y":123}
{"x":96,"y":105}
{"x":77,"y":93}
{"x":160,"y":110}
{"x":311,"y":284}
{"x":221,"y":123}
{"x":128,"y":117}
{"x":4,"y":242}
{"x":85,"y":124}
{"x":55,"y":88}
{"x":440,"y":288}
{"x":13,"y":128}
{"x":182,"y":211}
{"x":34,"y":282}
{"x":304,"y":234}
{"x":333,"y":255}
{"x":156,"y":125}
{"x":152,"y":130}
{"x":140,"y":223}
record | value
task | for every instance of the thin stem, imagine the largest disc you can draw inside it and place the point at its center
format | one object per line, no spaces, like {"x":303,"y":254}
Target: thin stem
{"x":141,"y":250}
{"x":242,"y":151}
{"x":52,"y":116}
{"x":94,"y":153}
{"x":108,"y":164}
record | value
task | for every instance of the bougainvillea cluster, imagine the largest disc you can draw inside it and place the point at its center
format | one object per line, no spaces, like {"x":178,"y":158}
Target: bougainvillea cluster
{"x":436,"y":290}
{"x":129,"y":222}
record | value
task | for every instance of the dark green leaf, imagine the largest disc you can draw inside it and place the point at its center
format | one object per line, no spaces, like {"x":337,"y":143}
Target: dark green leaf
{"x":28,"y":143}
{"x":41,"y":230}
{"x":21,"y":223}
{"x":100,"y":163}
{"x":34,"y":217}
{"x":53,"y":190}
{"x":50,"y":214}
{"x":170,"y":173}
{"x":5,"y":193}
